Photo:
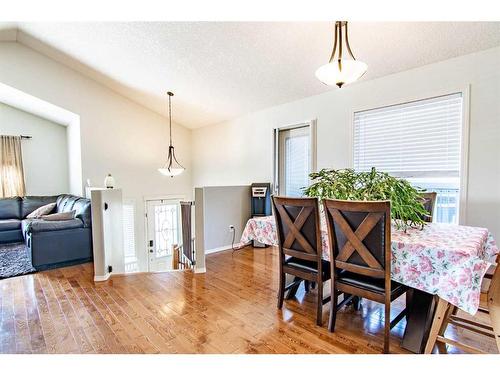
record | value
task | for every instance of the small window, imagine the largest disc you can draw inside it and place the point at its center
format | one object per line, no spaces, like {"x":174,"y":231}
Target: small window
{"x":129,"y":250}
{"x":419,"y":141}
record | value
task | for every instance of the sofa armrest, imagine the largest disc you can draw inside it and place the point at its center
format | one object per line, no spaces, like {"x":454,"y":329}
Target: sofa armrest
{"x":37,"y":225}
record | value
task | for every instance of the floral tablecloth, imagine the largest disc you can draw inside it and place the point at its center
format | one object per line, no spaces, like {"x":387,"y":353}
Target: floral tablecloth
{"x":443,"y":259}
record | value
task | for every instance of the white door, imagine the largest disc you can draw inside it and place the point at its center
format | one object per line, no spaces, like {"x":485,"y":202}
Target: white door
{"x":163,"y":227}
{"x":294,"y":160}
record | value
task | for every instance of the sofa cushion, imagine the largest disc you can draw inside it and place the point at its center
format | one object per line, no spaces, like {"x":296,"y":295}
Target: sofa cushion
{"x":37,"y":225}
{"x":59,"y":216}
{"x":31,"y":203}
{"x":40,"y":211}
{"x":10,"y":224}
{"x":10,"y":208}
{"x":66,"y":202}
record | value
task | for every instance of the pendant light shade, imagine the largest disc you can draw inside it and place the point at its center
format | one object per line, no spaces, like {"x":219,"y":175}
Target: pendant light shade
{"x":172,"y":166}
{"x":341,"y":70}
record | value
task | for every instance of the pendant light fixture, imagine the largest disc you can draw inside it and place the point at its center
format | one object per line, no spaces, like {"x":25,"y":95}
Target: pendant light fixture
{"x":172,"y":166}
{"x":341,"y":70}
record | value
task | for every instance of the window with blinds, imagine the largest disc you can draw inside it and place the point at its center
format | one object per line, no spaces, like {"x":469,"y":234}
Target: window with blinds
{"x":419,"y":141}
{"x":129,"y":250}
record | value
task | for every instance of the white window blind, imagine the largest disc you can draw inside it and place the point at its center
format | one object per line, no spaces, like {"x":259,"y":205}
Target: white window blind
{"x":416,"y":139}
{"x":129,"y":252}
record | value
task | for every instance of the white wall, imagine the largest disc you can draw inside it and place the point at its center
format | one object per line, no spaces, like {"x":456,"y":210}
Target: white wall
{"x":224,"y":206}
{"x":118,"y":136}
{"x":246,"y":155}
{"x":45,"y":156}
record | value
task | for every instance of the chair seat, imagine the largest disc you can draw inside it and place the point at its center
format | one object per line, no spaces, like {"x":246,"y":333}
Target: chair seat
{"x":309,"y":266}
{"x":368,"y":283}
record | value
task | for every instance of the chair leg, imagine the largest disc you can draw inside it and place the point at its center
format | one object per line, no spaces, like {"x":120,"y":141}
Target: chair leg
{"x":356,"y":303}
{"x":319,"y":313}
{"x":293,"y":290}
{"x":387,"y":326}
{"x":437,"y":322}
{"x":494,"y":311}
{"x":281,"y":291}
{"x":450,"y":311}
{"x":333,"y":310}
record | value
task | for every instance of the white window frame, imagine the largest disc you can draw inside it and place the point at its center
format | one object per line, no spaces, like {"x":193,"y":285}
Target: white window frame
{"x":313,"y":153}
{"x":464,"y":146}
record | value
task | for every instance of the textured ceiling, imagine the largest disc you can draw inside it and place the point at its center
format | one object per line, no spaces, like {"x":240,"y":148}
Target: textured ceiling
{"x":220,"y":70}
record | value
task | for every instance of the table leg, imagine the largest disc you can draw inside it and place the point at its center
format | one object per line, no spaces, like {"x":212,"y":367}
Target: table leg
{"x":421,"y":307}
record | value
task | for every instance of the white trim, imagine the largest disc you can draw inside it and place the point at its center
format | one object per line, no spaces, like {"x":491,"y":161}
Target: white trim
{"x":163,"y":197}
{"x":464,"y":155}
{"x":274,"y":187}
{"x":314,"y":143}
{"x":464,"y":147}
{"x":200,"y":270}
{"x":218,"y":249}
{"x":102,"y":278}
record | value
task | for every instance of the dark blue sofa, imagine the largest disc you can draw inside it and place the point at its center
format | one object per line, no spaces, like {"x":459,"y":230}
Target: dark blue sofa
{"x":50,"y":243}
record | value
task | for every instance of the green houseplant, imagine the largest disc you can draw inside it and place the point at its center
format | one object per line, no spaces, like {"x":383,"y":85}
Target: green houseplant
{"x":407,"y":207}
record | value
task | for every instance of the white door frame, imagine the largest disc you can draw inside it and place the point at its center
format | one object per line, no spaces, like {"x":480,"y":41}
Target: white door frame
{"x":146,"y":232}
{"x":312,"y":129}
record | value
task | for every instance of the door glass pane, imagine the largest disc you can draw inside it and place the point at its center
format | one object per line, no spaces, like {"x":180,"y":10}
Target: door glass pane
{"x":166,"y":218}
{"x":295,"y":160}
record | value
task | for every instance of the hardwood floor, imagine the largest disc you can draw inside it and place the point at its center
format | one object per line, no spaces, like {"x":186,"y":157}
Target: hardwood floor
{"x":230,"y":309}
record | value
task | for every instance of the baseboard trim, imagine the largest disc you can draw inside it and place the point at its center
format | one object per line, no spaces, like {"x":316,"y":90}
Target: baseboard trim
{"x":200,"y":270}
{"x":218,"y":249}
{"x":102,"y":278}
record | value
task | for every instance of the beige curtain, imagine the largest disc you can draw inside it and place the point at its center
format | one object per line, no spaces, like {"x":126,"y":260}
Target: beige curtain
{"x":11,"y":167}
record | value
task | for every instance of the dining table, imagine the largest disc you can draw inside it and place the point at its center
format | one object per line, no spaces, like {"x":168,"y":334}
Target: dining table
{"x":438,"y":260}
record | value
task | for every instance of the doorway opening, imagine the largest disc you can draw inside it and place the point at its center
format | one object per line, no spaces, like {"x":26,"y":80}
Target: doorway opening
{"x":294,"y":158}
{"x":163,"y":231}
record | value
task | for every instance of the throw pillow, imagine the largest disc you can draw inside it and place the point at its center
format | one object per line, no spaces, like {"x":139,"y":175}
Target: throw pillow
{"x":60,"y":216}
{"x":41,"y":211}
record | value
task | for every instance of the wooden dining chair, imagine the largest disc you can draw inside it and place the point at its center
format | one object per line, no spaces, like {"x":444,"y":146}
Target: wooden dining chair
{"x":360,"y":251}
{"x":446,"y":314}
{"x":429,"y":205}
{"x":300,"y":249}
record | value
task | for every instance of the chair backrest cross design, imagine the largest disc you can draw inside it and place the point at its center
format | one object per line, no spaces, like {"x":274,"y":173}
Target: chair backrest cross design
{"x":297,"y":222}
{"x":360,"y":236}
